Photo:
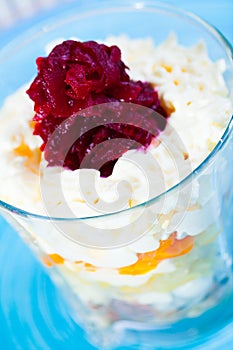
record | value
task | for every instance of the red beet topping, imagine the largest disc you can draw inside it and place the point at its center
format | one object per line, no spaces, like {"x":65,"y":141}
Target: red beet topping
{"x":78,"y":75}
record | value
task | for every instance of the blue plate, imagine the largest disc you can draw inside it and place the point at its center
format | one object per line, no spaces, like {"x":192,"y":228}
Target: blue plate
{"x":30,"y":303}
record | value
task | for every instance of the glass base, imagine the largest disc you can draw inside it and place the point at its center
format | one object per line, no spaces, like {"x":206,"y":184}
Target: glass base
{"x":34,"y":315}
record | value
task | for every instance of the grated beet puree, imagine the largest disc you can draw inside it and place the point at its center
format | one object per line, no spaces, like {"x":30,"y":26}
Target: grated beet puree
{"x":76,"y":76}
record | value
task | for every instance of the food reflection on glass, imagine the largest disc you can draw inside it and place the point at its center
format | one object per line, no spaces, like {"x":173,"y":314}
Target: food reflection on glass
{"x":109,"y":126}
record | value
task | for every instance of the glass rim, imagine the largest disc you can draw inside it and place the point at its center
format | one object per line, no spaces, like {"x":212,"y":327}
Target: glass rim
{"x":139,"y":6}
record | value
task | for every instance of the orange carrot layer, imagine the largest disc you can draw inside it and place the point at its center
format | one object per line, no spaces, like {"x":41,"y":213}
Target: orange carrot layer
{"x":170,"y":248}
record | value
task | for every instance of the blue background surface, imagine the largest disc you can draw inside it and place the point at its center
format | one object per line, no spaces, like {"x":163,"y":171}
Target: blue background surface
{"x":29,"y":302}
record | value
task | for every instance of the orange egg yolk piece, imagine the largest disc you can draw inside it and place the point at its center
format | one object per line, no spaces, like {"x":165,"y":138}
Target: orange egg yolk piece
{"x":170,"y":248}
{"x":32,"y":157}
{"x":52,"y":259}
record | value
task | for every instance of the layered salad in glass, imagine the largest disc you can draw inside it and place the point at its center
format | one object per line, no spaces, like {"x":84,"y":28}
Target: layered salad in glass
{"x":169,"y":269}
